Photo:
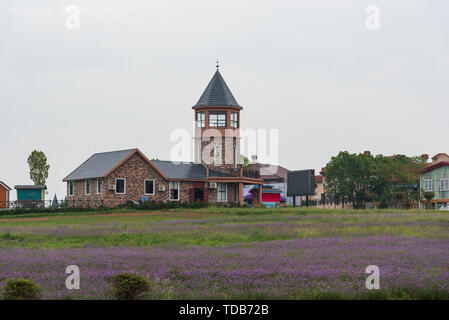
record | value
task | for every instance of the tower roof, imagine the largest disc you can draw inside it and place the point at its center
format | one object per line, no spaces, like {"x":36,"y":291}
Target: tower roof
{"x":217,"y":93}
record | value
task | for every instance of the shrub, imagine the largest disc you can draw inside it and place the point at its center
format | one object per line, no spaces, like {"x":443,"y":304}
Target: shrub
{"x":21,"y":289}
{"x":153,"y":205}
{"x":127,"y":286}
{"x":429,"y":195}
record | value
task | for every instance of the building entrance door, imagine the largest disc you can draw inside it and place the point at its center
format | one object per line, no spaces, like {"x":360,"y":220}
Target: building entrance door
{"x":199,"y":194}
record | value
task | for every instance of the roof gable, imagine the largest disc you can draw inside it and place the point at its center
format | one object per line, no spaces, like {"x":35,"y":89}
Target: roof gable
{"x":217,"y":93}
{"x":433,"y":166}
{"x":99,"y":164}
{"x":5,"y":186}
{"x":271,"y":171}
{"x":439,"y":155}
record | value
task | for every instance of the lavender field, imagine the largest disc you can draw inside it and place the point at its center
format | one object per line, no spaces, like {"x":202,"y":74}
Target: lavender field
{"x":279,"y":254}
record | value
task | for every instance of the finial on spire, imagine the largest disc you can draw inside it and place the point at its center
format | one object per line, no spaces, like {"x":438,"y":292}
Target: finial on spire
{"x":218,"y":65}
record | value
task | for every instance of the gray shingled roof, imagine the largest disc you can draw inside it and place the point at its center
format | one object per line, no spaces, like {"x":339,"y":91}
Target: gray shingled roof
{"x":217,"y":93}
{"x":98,"y":165}
{"x":185,"y":170}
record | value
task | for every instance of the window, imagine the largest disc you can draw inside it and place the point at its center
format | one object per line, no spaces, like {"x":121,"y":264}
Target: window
{"x":222,"y":192}
{"x":174,"y":190}
{"x":149,"y":187}
{"x":71,"y":188}
{"x":217,"y":119}
{"x":120,"y":186}
{"x":88,"y":185}
{"x":234,"y":120}
{"x":234,"y":156}
{"x":200,"y":120}
{"x":428,"y":185}
{"x":217,"y":155}
{"x":199,"y":157}
{"x":444,"y":185}
{"x":99,"y":186}
{"x":236,"y":192}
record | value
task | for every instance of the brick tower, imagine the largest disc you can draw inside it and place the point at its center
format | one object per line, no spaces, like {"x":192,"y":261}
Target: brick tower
{"x":217,"y":127}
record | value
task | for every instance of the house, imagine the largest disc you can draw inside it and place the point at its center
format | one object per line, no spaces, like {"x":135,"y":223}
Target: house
{"x":274,"y":175}
{"x":4,"y":195}
{"x":435,"y":178}
{"x":320,"y":194}
{"x":30,"y":195}
{"x":216,"y":175}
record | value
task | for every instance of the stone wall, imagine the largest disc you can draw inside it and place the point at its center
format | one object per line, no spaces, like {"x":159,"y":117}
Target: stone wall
{"x":136,"y":170}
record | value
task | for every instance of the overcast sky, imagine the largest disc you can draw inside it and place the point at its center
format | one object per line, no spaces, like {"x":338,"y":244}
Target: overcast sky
{"x":131,"y":73}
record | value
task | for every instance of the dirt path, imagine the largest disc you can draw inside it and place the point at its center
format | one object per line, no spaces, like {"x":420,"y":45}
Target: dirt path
{"x":187,"y":215}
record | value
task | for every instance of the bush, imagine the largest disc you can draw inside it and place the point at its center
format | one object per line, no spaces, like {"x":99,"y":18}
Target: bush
{"x":429,"y":195}
{"x":21,"y":289}
{"x":153,"y":205}
{"x":127,"y":286}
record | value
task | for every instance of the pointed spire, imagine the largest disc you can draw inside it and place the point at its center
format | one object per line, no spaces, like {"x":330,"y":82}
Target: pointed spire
{"x":217,"y":93}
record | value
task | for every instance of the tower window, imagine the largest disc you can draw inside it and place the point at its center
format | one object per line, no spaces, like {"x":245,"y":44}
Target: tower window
{"x":234,"y":120}
{"x":217,"y":155}
{"x":234,"y":156}
{"x":200,"y":120}
{"x":217,"y":119}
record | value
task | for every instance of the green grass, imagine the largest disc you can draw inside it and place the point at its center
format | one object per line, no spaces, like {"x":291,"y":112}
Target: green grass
{"x":215,"y":227}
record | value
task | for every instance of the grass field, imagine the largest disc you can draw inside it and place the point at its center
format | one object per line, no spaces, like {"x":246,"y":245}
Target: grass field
{"x":219,"y":253}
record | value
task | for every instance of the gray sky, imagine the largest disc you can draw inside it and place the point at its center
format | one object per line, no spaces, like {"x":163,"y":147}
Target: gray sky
{"x":133,"y":70}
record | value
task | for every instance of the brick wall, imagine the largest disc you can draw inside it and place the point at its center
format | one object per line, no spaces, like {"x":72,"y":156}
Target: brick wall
{"x":136,"y":170}
{"x":231,"y":196}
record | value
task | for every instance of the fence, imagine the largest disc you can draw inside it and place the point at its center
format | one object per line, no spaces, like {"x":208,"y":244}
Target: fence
{"x":47,"y":204}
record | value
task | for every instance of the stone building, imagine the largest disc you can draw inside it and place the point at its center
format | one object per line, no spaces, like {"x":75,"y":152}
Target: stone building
{"x":216,"y":175}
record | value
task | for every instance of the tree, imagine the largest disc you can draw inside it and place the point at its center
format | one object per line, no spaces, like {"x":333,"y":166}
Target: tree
{"x":38,"y":167}
{"x":428,"y":195}
{"x":400,"y":175}
{"x":399,"y":197}
{"x":358,"y":178}
{"x":349,"y":177}
{"x":246,"y":163}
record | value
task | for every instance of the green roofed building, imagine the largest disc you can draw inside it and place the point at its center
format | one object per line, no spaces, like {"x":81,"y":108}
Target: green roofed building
{"x":30,"y":195}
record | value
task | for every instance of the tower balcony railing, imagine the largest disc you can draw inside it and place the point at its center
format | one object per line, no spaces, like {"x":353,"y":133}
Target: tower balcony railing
{"x":240,"y":172}
{"x":247,"y":173}
{"x":251,"y":173}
